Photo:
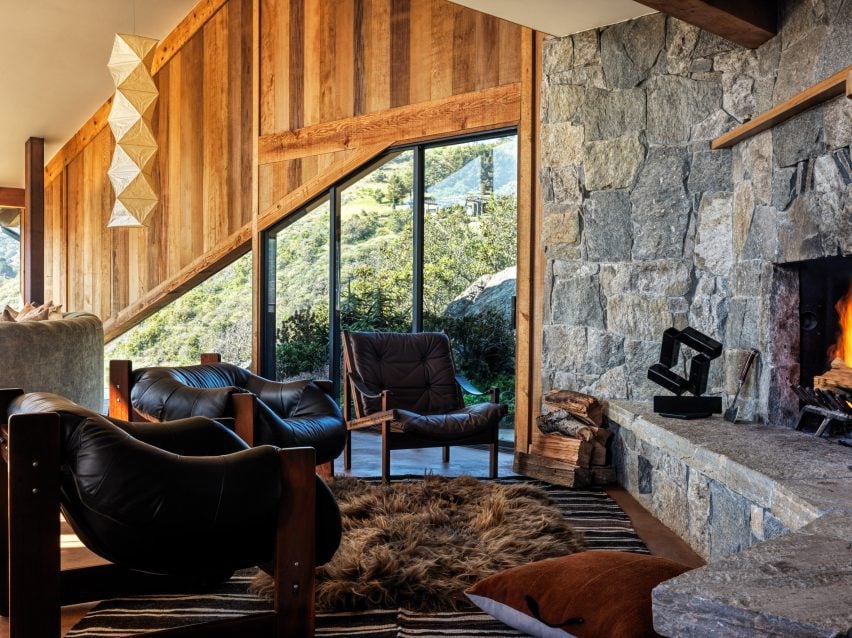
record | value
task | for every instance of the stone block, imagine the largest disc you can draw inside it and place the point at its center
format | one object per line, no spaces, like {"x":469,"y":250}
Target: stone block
{"x":669,"y":503}
{"x":637,"y":316}
{"x":795,"y":586}
{"x":712,"y":126}
{"x":607,"y":226}
{"x":557,"y":55}
{"x":586,"y":48}
{"x":660,"y":205}
{"x":698,"y":510}
{"x":681,"y":39}
{"x":730,"y":524}
{"x":710,"y":172}
{"x":644,"y":474}
{"x":612,"y":384}
{"x":563,"y":347}
{"x":799,"y":138}
{"x":610,"y":114}
{"x":606,"y":351}
{"x":743,"y":323}
{"x":609,"y":164}
{"x":664,"y":278}
{"x":630,"y":49}
{"x":714,"y":242}
{"x":561,"y":228}
{"x":765,"y":234}
{"x":797,"y":69}
{"x":560,"y":102}
{"x":772,"y":527}
{"x":676,"y":104}
{"x":837,"y":118}
{"x":639,"y":356}
{"x":576,"y":300}
{"x":561,"y":144}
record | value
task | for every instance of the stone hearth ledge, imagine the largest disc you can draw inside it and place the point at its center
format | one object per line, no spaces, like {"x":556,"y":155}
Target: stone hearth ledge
{"x":796,"y":584}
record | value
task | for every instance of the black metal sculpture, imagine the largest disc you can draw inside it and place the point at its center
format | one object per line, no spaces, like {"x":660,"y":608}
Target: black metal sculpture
{"x":685,"y":407}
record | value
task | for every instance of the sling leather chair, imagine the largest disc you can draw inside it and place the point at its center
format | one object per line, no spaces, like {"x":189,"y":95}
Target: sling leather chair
{"x":406,"y":384}
{"x":185,"y":502}
{"x":292,"y":414}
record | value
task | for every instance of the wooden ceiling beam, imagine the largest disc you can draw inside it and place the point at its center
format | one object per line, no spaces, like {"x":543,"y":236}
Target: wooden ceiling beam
{"x":748,"y":24}
{"x":12,"y":197}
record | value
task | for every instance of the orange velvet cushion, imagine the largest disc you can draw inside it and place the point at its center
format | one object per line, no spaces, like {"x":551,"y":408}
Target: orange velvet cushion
{"x":596,"y":594}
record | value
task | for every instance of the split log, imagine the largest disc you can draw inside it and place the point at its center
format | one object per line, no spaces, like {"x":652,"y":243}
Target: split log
{"x":563,"y":422}
{"x":598,"y":454}
{"x":551,"y":470}
{"x":838,"y":379}
{"x":565,"y":448}
{"x":583,"y":407}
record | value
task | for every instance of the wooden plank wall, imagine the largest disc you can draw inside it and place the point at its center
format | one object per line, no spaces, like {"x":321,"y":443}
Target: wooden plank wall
{"x":326,"y":64}
{"x":202,"y":123}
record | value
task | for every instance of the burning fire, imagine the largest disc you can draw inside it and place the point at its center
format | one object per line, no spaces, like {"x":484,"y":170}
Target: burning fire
{"x":843,"y":348}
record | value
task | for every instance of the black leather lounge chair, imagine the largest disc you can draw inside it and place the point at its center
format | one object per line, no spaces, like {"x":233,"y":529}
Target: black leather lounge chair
{"x":300,"y":413}
{"x":406,"y":383}
{"x":186,"y":500}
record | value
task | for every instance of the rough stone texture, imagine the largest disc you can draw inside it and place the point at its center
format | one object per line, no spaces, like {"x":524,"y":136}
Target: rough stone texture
{"x":660,"y":205}
{"x":612,"y":163}
{"x":606,"y":220}
{"x":645,"y":227}
{"x":797,"y":586}
{"x":630,"y":49}
{"x":676,"y":104}
{"x":609,"y":114}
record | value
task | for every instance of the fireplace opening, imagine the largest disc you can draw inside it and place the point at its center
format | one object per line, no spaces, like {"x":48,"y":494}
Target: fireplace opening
{"x":825,"y":325}
{"x":822,"y":284}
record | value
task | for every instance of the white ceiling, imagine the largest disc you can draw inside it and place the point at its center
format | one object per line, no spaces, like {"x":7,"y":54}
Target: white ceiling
{"x":53,"y":73}
{"x":53,"y":56}
{"x":560,"y":17}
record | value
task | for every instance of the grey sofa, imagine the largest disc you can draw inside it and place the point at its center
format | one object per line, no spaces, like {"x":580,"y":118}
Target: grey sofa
{"x":63,"y":356}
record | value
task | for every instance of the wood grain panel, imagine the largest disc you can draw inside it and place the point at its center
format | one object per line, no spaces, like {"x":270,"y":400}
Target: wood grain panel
{"x":203,"y":169}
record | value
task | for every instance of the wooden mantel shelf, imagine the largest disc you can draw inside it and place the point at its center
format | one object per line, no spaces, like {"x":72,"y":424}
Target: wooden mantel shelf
{"x":816,"y":94}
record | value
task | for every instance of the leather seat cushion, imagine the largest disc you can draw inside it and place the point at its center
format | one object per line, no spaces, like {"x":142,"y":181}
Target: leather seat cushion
{"x":464,"y":422}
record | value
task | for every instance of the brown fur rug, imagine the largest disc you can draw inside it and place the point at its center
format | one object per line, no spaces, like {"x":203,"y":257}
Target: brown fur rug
{"x":420,"y":545}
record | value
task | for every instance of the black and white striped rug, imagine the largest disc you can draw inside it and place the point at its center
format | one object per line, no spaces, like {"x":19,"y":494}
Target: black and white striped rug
{"x":603,"y":522}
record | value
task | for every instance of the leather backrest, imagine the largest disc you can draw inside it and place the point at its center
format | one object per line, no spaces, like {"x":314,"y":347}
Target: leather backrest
{"x":417,"y":369}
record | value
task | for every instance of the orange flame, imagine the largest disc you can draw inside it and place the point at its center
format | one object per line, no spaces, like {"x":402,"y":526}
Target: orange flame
{"x":843,"y":348}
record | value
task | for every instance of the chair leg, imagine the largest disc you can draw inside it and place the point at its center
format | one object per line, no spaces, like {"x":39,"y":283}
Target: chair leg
{"x":445,"y":456}
{"x":33,"y":525}
{"x":295,"y":546}
{"x":492,"y":461}
{"x":347,"y":452}
{"x":386,"y":452}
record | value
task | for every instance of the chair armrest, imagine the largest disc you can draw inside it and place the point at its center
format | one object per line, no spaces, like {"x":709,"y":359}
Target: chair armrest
{"x":469,"y":388}
{"x":377,"y":418}
{"x":364,"y":391}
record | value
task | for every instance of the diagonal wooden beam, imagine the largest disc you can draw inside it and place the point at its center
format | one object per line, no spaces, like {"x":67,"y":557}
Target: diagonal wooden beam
{"x":12,"y":197}
{"x":748,"y":23}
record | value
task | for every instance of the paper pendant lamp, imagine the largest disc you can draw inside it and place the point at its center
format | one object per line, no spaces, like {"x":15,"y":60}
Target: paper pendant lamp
{"x":130,"y":172}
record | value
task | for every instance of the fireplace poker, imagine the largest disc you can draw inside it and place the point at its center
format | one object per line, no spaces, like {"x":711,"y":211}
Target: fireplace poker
{"x":733,"y":411}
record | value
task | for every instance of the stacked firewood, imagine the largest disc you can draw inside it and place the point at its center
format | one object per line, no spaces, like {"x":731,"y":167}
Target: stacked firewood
{"x":569,"y":446}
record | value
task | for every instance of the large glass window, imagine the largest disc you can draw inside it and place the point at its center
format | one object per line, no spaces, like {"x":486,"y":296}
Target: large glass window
{"x":423,"y":239}
{"x":10,"y":258}
{"x":215,"y":316}
{"x":300,"y":253}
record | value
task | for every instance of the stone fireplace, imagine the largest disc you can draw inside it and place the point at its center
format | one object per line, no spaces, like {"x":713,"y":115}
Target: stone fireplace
{"x":645,"y":227}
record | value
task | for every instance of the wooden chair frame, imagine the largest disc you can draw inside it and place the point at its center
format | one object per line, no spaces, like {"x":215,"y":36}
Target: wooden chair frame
{"x":34,"y":588}
{"x":387,"y":417}
{"x":243,"y":404}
